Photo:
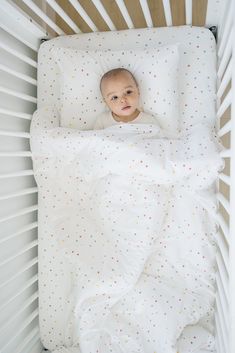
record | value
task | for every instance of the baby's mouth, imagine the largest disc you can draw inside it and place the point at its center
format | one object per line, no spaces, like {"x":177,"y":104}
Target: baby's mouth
{"x":127,"y":107}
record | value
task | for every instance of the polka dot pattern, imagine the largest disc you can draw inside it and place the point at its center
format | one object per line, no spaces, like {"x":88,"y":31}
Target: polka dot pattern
{"x":120,"y":263}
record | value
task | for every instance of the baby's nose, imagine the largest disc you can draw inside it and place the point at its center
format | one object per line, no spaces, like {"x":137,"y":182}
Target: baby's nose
{"x":123,"y":98}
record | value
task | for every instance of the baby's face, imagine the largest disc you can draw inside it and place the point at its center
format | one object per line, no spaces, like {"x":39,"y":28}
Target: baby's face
{"x":121,"y":94}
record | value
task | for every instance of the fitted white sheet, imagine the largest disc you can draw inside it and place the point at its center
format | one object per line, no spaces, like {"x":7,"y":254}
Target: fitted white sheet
{"x":197,"y":104}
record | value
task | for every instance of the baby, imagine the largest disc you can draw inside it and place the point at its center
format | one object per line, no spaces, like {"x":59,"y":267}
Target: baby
{"x":120,"y":92}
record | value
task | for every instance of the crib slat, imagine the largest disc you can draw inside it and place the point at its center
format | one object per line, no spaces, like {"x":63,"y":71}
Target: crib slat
{"x":16,"y":154}
{"x":22,"y":251}
{"x":219,"y":336}
{"x":18,"y":55}
{"x":25,"y":229}
{"x":226,"y":78}
{"x":36,"y":345}
{"x":225,"y":129}
{"x":222,"y":276}
{"x":15,"y":34}
{"x":23,"y":326}
{"x":222,"y":322}
{"x":226,"y":153}
{"x":167,"y":12}
{"x":104,"y":14}
{"x":17,"y":174}
{"x":225,"y":28}
{"x":16,"y":114}
{"x":28,"y":265}
{"x":225,"y":178}
{"x":224,"y":202}
{"x":222,"y":19}
{"x":20,"y":213}
{"x":29,"y":301}
{"x":29,"y":340}
{"x":218,"y":346}
{"x":146,"y":13}
{"x":22,"y":192}
{"x":23,"y":20}
{"x":225,"y":104}
{"x":58,"y":9}
{"x":223,"y":249}
{"x":28,"y":284}
{"x":223,"y":225}
{"x":15,"y":134}
{"x":189,"y":11}
{"x":18,"y":75}
{"x":43,"y":16}
{"x":222,"y":302}
{"x":232,"y":203}
{"x":125,"y":13}
{"x":225,"y":56}
{"x":221,"y":333}
{"x":83,"y":14}
{"x":16,"y":94}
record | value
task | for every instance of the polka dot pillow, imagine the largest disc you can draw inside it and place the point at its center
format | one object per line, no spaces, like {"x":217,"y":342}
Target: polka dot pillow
{"x":156,"y":71}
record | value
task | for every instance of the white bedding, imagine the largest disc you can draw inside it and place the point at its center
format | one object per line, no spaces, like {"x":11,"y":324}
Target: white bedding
{"x":125,"y":210}
{"x":179,"y":252}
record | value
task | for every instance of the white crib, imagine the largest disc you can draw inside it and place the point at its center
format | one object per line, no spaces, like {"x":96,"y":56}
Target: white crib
{"x":24,"y":24}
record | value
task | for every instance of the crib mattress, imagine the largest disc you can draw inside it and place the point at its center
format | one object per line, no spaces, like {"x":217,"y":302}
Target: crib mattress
{"x":197,"y":104}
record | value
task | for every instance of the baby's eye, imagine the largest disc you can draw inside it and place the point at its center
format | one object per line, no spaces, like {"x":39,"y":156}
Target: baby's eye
{"x":128,"y":92}
{"x":114,"y":98}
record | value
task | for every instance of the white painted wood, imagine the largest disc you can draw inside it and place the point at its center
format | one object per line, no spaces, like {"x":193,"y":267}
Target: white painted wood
{"x":224,"y":202}
{"x":189,"y":12}
{"x":43,"y":16}
{"x":213,"y":13}
{"x":226,"y":30}
{"x":232,"y":205}
{"x":222,"y":277}
{"x":83,"y":14}
{"x":58,"y":9}
{"x":101,"y":9}
{"x":225,"y":80}
{"x":167,"y":12}
{"x":19,"y":42}
{"x":146,"y":12}
{"x":125,"y":13}
{"x":26,"y":26}
{"x":225,"y":129}
{"x":226,"y":56}
{"x":20,"y":271}
{"x":18,"y":55}
{"x":224,"y":105}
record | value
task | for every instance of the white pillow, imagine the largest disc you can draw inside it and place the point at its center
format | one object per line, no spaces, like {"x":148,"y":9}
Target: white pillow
{"x":156,"y":71}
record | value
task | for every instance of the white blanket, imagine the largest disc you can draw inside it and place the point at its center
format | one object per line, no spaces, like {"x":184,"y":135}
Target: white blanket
{"x":133,"y":214}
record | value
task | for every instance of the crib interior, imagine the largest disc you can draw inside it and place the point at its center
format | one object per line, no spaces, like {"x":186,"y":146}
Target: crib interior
{"x":24,"y":24}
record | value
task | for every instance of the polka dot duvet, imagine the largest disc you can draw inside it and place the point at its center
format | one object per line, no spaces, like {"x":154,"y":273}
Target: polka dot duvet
{"x":126,"y":230}
{"x":131,"y":250}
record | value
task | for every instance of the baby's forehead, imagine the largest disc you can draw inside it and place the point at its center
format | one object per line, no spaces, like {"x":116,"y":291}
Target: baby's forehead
{"x":125,"y":76}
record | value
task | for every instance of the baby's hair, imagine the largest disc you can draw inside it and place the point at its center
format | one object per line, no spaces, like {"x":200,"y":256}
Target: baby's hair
{"x":115,"y":72}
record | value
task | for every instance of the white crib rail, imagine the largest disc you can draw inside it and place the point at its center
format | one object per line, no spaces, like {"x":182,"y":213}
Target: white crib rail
{"x":15,"y":23}
{"x":19,"y":41}
{"x":225,"y":296}
{"x":232,"y":202}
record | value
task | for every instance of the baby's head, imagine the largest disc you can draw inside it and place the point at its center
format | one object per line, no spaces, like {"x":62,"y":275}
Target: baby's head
{"x":120,"y":91}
